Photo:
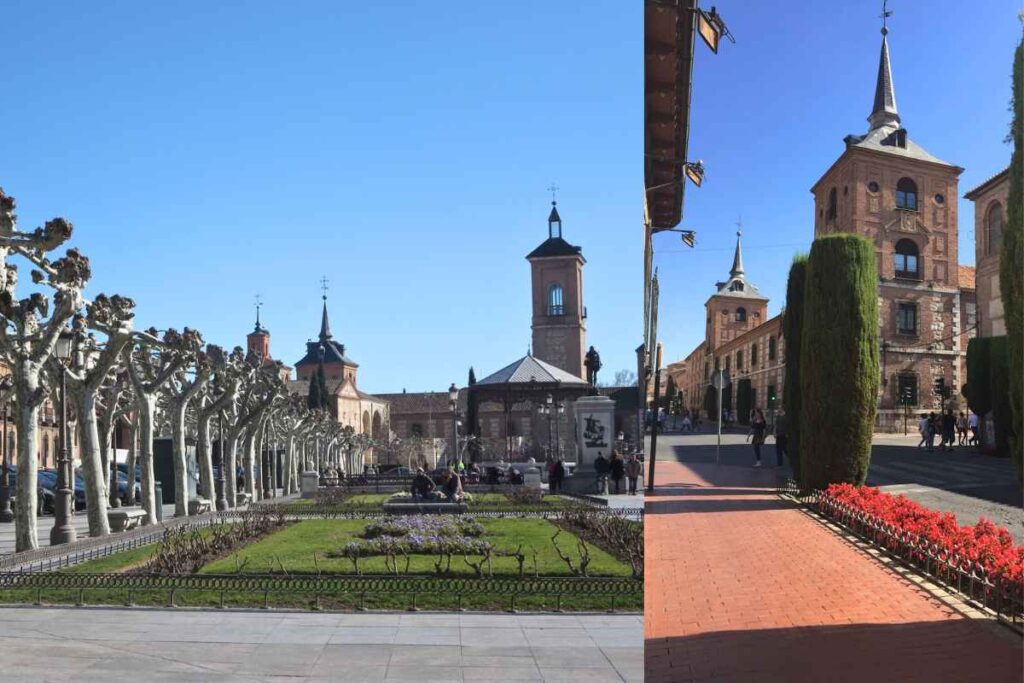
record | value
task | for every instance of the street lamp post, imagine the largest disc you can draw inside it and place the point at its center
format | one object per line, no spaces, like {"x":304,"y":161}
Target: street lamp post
{"x":63,"y":530}
{"x":222,"y":493}
{"x":6,"y":514}
{"x":545,"y":409}
{"x":453,"y":403}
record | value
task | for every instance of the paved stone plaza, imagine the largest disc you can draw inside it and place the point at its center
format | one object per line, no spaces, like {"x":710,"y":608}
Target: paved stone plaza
{"x":98,"y":644}
{"x":743,"y":585}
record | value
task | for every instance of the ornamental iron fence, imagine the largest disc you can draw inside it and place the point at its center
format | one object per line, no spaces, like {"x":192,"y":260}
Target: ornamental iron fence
{"x":316,"y":588}
{"x":966,"y":577}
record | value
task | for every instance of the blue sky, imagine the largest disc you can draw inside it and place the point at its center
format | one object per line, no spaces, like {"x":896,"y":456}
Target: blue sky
{"x":770,"y":113}
{"x":209,"y":151}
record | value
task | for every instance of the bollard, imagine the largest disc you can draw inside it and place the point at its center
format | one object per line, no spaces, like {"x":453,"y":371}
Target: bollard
{"x":159,"y":501}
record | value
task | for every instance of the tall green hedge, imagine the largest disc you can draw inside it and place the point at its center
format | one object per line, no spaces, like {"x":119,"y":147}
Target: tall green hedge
{"x":838,"y":361}
{"x":999,"y":380}
{"x":792,"y":328}
{"x":979,"y":389}
{"x":744,"y":401}
{"x":1011,"y":266}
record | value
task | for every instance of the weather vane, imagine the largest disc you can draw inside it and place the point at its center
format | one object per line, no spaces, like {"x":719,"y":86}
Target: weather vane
{"x":886,"y":13}
{"x":739,"y":226}
{"x":323,"y":286}
{"x":259,"y":305}
{"x":553,"y":189}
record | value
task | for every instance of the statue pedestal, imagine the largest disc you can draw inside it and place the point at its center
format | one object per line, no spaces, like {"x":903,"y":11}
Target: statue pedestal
{"x":595,"y":434}
{"x":531,"y":478}
{"x":310,"y":484}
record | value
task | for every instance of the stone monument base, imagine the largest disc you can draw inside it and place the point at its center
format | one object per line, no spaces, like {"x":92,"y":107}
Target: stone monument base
{"x":582,"y":481}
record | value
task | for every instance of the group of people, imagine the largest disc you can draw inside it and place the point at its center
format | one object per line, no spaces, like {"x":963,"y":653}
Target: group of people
{"x":615,"y":470}
{"x":953,"y":429}
{"x":759,"y":433}
{"x":425,"y":490}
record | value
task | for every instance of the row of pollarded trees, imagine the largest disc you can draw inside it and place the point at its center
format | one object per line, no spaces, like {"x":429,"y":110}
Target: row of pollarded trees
{"x":163,"y":383}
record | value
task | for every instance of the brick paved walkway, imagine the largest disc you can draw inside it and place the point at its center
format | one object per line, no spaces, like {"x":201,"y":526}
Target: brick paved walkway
{"x":743,"y":586}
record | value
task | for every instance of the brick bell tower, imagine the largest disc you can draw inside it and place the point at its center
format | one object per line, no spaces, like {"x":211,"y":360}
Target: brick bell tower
{"x":559,"y":329}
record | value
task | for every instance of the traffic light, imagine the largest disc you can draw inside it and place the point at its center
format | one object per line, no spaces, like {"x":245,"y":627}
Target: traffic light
{"x":941,"y":389}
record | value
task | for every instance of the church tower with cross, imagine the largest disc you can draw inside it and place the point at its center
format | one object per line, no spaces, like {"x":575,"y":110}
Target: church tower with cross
{"x":559,"y":316}
{"x":737,"y":306}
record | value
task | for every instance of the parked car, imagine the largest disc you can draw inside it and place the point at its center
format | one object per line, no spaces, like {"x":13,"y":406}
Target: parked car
{"x":45,"y":493}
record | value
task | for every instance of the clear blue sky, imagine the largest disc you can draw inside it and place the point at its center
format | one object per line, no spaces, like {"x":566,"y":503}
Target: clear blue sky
{"x":206,"y":151}
{"x":770,"y":113}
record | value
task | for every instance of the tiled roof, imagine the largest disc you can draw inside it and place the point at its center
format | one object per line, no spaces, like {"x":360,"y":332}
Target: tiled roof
{"x":529,"y":369}
{"x":990,"y":181}
{"x":965,"y":277}
{"x":333,"y":353}
{"x":555,"y":246}
{"x":883,"y":140}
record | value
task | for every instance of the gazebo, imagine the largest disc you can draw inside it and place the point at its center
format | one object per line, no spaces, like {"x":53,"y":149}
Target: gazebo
{"x":527,"y":380}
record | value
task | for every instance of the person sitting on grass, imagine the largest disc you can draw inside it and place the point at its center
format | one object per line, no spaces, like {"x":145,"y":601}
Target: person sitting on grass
{"x":451,"y":486}
{"x":422,"y":486}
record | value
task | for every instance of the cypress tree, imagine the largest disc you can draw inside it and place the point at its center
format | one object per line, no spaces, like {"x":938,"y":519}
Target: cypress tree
{"x":325,"y":395}
{"x":1002,"y":413}
{"x":979,"y":389}
{"x":313,"y":401}
{"x":838,"y":361}
{"x":1011,"y":266}
{"x":792,"y":327}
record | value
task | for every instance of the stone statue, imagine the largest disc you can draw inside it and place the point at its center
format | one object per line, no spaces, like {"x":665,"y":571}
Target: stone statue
{"x":592,"y":363}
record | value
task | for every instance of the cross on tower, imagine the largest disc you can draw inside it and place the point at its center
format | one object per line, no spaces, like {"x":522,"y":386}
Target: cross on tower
{"x":553,"y":189}
{"x":886,"y":13}
{"x":323,"y":286}
{"x":259,"y":305}
{"x":739,"y":226}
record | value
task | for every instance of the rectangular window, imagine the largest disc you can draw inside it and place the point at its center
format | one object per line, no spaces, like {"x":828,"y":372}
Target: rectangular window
{"x":753,"y":355}
{"x":728,"y":363}
{"x":906,"y":319}
{"x":906,"y":390}
{"x":739,"y":360}
{"x":906,"y":265}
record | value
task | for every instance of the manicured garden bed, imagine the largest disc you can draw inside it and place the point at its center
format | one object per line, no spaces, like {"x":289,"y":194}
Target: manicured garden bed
{"x":339,"y":501}
{"x":303,"y":564}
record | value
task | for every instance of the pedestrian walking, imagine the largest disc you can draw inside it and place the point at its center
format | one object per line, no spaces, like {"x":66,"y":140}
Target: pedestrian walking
{"x":633,"y":470}
{"x":922,"y":429}
{"x":931,"y":429}
{"x":780,"y":437}
{"x":617,"y":470}
{"x":948,"y":429}
{"x":758,"y":426}
{"x":556,"y":473}
{"x":961,"y":429}
{"x":601,"y":469}
{"x":972,"y":424}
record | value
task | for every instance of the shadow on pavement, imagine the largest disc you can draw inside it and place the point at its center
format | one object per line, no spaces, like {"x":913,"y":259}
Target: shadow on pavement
{"x":960,"y":650}
{"x":699,"y":504}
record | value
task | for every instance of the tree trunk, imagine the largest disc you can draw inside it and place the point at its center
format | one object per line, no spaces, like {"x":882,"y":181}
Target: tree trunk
{"x":286,"y":485}
{"x":230,"y":467}
{"x":146,"y":406}
{"x":204,"y":456}
{"x":248,"y":466}
{"x":130,"y":460}
{"x":273,"y":466}
{"x":26,"y":535}
{"x":180,"y":463}
{"x":92,"y":465}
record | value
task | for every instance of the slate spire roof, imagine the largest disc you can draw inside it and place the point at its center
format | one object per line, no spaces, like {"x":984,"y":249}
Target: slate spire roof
{"x":554,"y":245}
{"x":332,"y":351}
{"x":884,"y":112}
{"x":325,"y":324}
{"x":737,"y":284}
{"x":737,"y":259}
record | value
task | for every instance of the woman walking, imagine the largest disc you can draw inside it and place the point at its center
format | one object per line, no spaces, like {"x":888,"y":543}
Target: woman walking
{"x":758,"y":425}
{"x":618,"y":470}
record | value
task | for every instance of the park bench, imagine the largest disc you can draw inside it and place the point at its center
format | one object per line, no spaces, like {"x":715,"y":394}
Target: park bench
{"x":123,"y":519}
{"x":241,"y":499}
{"x":198,"y":506}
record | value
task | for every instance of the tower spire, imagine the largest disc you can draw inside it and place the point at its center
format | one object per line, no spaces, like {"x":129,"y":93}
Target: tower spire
{"x":325,"y":325}
{"x":259,"y":305}
{"x":884,"y":112}
{"x":737,"y":259}
{"x":554,"y":220}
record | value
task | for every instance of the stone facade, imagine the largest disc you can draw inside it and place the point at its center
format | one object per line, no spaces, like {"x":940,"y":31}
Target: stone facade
{"x":990,"y":202}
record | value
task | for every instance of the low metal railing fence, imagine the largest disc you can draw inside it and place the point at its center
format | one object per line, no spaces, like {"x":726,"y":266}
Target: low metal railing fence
{"x":220,"y":589}
{"x":968,"y":578}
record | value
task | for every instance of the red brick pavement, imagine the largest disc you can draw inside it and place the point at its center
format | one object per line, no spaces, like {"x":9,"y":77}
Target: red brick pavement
{"x":743,"y":586}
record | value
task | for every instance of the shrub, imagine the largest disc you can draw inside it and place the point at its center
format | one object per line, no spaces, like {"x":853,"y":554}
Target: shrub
{"x":525,"y":495}
{"x":984,"y":543}
{"x":838,"y":361}
{"x":792,"y":329}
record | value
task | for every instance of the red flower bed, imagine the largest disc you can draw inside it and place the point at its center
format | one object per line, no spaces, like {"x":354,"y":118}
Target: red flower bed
{"x":984,"y":543}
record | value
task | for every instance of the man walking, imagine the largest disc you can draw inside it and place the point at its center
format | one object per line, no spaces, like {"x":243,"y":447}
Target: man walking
{"x":601,"y":469}
{"x":633,"y":470}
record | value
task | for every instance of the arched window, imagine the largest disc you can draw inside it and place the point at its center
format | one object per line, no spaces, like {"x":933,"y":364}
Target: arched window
{"x":994,"y":228}
{"x":741,"y":315}
{"x":555,"y":306}
{"x":906,"y":194}
{"x":833,"y":205}
{"x":905,"y":260}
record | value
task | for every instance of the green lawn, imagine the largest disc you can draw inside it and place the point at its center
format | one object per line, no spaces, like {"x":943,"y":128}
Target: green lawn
{"x":294,"y":548}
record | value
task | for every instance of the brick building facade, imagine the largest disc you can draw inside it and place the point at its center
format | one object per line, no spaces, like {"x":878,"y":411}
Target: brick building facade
{"x":887,"y":188}
{"x":990,"y":202}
